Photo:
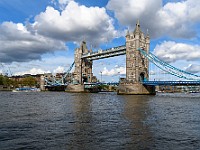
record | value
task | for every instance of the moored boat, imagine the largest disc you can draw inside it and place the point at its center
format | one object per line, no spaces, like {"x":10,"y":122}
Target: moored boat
{"x":26,"y":89}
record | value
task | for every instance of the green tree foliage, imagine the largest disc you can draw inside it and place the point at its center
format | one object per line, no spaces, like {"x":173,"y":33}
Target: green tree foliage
{"x":29,"y":81}
{"x":5,"y":80}
{"x":1,"y":79}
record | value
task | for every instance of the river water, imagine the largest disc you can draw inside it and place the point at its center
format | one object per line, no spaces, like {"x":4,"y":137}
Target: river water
{"x":62,"y":121}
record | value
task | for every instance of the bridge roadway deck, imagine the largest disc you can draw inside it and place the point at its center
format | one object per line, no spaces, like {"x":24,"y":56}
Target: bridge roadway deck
{"x":171,"y":83}
{"x":115,"y":51}
{"x":155,"y":83}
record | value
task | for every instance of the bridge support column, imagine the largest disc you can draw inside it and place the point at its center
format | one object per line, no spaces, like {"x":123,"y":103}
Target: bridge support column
{"x":135,"y":89}
{"x":42,"y":82}
{"x":75,"y":88}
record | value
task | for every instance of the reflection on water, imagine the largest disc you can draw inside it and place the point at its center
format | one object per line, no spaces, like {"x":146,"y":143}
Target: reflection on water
{"x":51,"y":120}
{"x":136,"y":110}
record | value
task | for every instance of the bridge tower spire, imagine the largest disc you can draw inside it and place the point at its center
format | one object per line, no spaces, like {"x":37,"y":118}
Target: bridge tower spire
{"x":137,"y":66}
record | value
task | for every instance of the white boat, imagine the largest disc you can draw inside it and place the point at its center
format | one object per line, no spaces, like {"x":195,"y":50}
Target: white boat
{"x":26,"y":89}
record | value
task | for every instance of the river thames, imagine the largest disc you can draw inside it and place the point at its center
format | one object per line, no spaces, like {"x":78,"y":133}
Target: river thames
{"x":105,"y":121}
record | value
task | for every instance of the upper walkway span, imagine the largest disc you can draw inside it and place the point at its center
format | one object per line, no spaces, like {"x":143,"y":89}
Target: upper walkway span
{"x":115,"y":51}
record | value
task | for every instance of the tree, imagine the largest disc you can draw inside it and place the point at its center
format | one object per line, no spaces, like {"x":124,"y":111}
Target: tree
{"x":4,"y":80}
{"x":29,"y":81}
{"x":1,"y":79}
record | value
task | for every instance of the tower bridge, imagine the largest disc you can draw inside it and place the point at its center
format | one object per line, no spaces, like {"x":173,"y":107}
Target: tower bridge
{"x":138,"y":55}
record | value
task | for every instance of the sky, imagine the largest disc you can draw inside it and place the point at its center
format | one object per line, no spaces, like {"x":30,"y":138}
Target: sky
{"x":40,"y":36}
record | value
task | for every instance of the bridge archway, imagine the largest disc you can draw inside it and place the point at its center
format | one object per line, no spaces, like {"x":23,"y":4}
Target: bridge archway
{"x":85,"y":79}
{"x":142,"y":76}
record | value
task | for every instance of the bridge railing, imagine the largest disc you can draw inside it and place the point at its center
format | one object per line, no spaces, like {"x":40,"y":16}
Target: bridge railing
{"x":171,"y":83}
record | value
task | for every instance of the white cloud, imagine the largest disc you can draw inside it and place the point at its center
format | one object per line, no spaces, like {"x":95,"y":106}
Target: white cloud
{"x":63,"y":3}
{"x":121,"y":70}
{"x":193,"y":68}
{"x":152,"y":72}
{"x":48,"y":63}
{"x":113,"y":72}
{"x":75,"y":23}
{"x":19,"y":44}
{"x":176,"y":19}
{"x":32,"y":71}
{"x":60,"y":3}
{"x":170,"y":51}
{"x":106,"y":72}
{"x":59,"y":69}
{"x":127,"y":12}
{"x":51,"y":29}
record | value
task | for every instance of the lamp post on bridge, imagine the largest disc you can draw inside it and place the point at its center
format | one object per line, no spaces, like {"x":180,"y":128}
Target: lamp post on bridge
{"x":101,"y":75}
{"x":119,"y":76}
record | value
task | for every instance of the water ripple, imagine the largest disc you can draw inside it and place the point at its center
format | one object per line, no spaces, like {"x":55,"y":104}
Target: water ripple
{"x":59,"y":121}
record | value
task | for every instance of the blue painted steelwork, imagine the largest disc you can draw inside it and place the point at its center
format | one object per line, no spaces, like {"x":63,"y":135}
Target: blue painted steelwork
{"x":60,"y":82}
{"x":169,"y":68}
{"x":171,"y":83}
{"x":150,"y":83}
{"x":115,"y":51}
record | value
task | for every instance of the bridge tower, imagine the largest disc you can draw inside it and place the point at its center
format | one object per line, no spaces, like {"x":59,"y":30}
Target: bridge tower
{"x":83,"y":70}
{"x":137,"y":66}
{"x":83,"y":67}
